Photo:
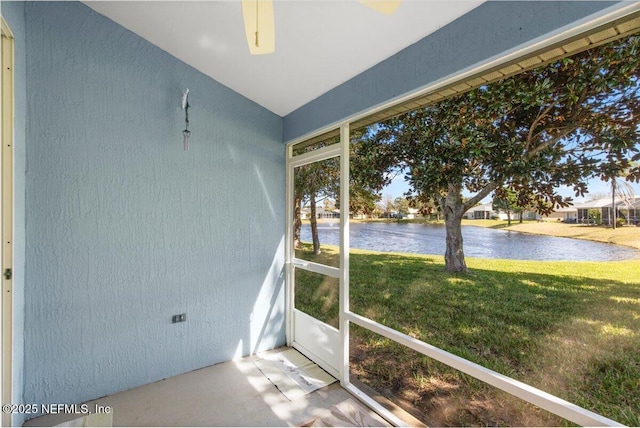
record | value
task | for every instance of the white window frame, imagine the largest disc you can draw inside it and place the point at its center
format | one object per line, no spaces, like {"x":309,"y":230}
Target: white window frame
{"x":6,"y":249}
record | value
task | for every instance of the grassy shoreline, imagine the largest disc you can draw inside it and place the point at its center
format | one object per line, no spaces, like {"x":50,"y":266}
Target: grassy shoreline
{"x":568,"y":328}
{"x":628,"y":235}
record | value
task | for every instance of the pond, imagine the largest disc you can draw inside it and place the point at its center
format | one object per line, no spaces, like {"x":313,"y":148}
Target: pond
{"x":478,"y":242}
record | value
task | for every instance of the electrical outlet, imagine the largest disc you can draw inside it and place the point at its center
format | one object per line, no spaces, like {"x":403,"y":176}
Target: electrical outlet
{"x":179,"y":318}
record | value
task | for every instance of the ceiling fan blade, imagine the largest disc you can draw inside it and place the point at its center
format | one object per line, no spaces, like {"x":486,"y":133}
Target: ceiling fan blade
{"x":259,"y":26}
{"x":383,"y":6}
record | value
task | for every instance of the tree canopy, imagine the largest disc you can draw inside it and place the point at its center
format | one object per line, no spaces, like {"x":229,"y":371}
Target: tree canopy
{"x":559,"y":124}
{"x":506,"y":200}
{"x":312,"y":184}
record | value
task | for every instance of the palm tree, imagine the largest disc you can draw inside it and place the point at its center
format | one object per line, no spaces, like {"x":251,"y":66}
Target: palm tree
{"x":624,"y":191}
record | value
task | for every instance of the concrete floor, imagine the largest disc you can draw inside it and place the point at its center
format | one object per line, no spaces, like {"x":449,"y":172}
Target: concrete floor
{"x":235,"y":393}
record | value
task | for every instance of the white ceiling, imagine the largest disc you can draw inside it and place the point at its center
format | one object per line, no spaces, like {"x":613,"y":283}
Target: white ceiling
{"x":319,"y":44}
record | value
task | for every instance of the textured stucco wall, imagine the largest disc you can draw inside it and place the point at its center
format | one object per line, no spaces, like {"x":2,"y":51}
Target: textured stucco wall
{"x":490,"y":29}
{"x":13,"y":13}
{"x":125,"y":229}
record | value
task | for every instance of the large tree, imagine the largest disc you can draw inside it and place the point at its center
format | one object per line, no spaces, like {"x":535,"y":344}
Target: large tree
{"x":320,"y":181}
{"x":368,"y":172}
{"x":556,"y":125}
{"x":313,"y":183}
{"x":506,"y":200}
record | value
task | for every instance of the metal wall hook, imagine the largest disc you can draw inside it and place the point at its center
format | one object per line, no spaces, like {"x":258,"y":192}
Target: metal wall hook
{"x":185,"y":106}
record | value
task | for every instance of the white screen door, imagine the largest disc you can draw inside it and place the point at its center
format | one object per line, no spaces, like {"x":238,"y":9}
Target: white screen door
{"x":316,"y":221}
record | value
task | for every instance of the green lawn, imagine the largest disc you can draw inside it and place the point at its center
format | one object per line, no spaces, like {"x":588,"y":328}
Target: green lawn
{"x":569,"y":328}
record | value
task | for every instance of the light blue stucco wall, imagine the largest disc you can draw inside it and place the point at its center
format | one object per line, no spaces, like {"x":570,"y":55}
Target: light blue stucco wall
{"x":13,"y":13}
{"x":125,"y":229}
{"x":490,"y":29}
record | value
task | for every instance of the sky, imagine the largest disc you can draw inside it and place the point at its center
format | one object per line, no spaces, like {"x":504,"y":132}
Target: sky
{"x":398,"y":187}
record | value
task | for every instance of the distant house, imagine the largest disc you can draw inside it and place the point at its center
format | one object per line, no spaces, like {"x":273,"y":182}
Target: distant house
{"x":480,"y":212}
{"x":635,"y":217}
{"x":565,"y":214}
{"x":358,"y":216}
{"x":528,"y":215}
{"x":413,"y":213}
{"x":321,"y":212}
{"x":590,"y":212}
{"x":600,"y":211}
{"x":628,"y":209}
{"x":486,"y":211}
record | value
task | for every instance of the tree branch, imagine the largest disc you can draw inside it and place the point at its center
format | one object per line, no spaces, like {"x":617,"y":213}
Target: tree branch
{"x":535,"y":123}
{"x":550,"y":142}
{"x":469,"y":203}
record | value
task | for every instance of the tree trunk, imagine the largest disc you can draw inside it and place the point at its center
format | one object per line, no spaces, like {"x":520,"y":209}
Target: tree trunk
{"x":297,"y":222}
{"x":508,"y":218}
{"x":453,"y":212}
{"x":314,"y":224}
{"x":520,"y":217}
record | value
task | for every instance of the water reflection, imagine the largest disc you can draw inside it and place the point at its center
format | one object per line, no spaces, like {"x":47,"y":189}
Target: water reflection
{"x":478,"y":242}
